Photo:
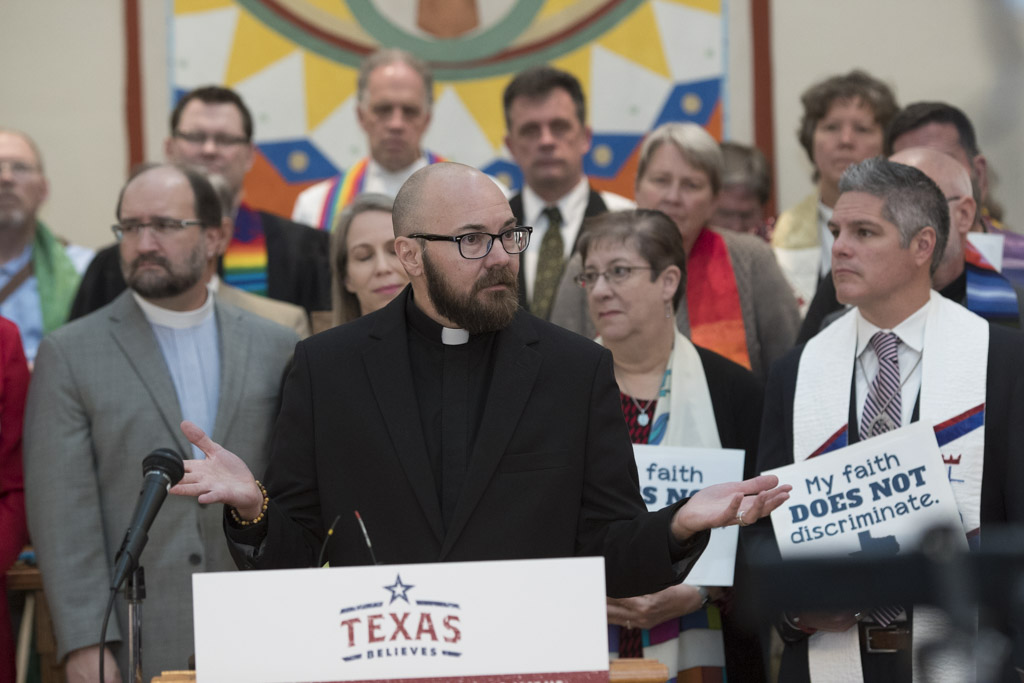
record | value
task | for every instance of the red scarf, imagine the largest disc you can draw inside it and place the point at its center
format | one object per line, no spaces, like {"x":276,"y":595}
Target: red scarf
{"x":713,"y":300}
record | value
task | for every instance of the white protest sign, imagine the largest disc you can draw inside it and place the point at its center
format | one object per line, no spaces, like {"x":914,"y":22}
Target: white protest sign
{"x":884,"y":493}
{"x":670,"y":473}
{"x":460,"y":621}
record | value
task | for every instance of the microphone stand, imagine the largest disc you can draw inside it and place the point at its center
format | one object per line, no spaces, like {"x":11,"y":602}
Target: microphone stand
{"x":135,"y":593}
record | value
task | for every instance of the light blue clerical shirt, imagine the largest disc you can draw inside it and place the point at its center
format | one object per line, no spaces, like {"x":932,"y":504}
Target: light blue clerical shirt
{"x":189,"y":344}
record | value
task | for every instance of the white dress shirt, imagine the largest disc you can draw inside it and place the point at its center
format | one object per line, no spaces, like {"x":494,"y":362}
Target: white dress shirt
{"x":573,"y":207}
{"x":910,"y":350}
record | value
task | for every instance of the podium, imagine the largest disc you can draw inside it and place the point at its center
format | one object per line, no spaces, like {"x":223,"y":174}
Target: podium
{"x":620,"y":671}
{"x":454,"y":622}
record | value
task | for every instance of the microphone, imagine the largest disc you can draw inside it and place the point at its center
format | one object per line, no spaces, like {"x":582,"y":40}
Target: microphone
{"x":161,"y":470}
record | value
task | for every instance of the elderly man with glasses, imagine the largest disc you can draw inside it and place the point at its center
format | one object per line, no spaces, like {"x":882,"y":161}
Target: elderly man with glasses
{"x":39,"y":272}
{"x":115,"y":385}
{"x":459,"y":426}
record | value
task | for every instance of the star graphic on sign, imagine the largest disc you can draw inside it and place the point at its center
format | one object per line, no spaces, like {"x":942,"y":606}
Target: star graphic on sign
{"x":399,"y":589}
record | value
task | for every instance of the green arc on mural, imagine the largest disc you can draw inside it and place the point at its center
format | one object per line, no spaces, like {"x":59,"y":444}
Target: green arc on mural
{"x":479,"y":56}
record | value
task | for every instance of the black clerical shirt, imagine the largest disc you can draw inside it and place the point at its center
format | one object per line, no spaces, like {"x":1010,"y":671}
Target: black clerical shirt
{"x":427,"y":358}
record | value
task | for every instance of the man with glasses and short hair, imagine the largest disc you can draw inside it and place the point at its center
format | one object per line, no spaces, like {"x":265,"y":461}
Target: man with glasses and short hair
{"x":211,"y":129}
{"x":111,"y":387}
{"x":39,"y":272}
{"x":461,"y":427}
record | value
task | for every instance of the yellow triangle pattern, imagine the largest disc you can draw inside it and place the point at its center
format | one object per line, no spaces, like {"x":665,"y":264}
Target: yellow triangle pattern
{"x":553,"y":7}
{"x":336,"y":8}
{"x":191,"y":6}
{"x":254,"y":48}
{"x":328,"y":84}
{"x":637,"y":39}
{"x":706,"y":5}
{"x":578,"y":64}
{"x":483,"y":101}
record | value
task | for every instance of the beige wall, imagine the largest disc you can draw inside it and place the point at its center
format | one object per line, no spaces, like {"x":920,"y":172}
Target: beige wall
{"x":63,"y":84}
{"x":69,"y":90}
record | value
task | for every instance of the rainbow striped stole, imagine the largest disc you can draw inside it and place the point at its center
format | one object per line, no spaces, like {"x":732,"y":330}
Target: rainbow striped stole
{"x":989,"y":293}
{"x":245,"y":261}
{"x":349,"y":185}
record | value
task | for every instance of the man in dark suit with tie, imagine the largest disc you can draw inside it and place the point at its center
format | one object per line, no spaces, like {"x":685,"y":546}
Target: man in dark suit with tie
{"x":211,"y":129}
{"x":548,"y":136}
{"x":460,"y":427}
{"x":903,"y":354}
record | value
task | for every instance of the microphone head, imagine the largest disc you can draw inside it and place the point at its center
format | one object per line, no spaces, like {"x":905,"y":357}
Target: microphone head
{"x":165,"y":461}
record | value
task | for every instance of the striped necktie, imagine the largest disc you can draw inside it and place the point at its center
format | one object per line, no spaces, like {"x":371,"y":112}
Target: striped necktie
{"x":883,"y":411}
{"x":883,"y":408}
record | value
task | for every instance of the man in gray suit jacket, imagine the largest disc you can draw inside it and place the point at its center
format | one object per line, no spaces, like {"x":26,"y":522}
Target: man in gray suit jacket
{"x":111,"y":387}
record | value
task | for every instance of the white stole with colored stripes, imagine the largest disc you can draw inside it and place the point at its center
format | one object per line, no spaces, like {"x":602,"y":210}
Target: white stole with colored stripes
{"x":954,"y":367}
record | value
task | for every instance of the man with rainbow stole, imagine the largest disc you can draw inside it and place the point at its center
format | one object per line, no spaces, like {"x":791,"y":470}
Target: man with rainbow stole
{"x":211,"y":129}
{"x":395,"y":93}
{"x":904,"y":353}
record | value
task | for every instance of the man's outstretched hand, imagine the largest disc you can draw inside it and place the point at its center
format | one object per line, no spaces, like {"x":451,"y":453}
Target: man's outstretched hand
{"x":741,"y":502}
{"x":221,"y":478}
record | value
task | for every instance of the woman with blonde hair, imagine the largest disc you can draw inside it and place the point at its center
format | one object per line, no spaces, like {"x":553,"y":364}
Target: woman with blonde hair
{"x":365,"y":272}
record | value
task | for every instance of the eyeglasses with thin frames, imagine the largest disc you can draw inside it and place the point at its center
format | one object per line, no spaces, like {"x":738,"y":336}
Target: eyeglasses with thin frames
{"x":476,"y":245}
{"x":18,"y":169}
{"x":161,"y":227}
{"x":615,"y":275}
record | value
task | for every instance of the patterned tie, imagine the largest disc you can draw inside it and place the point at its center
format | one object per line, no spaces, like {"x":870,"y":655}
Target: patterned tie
{"x":549,"y":264}
{"x":883,"y":412}
{"x":883,"y":408}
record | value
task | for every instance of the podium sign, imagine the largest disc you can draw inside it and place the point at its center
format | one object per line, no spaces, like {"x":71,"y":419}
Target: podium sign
{"x":879,"y":495}
{"x":669,"y":474}
{"x":518,"y":620}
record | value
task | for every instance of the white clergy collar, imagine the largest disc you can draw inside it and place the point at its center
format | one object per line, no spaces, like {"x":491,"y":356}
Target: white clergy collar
{"x":452,"y":336}
{"x":379,"y":179}
{"x":179,"y":320}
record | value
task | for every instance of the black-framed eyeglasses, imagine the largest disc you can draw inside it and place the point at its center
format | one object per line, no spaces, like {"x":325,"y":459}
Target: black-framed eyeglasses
{"x":159,"y":226}
{"x":474,"y":245}
{"x":219,"y":139}
{"x":615,"y":275}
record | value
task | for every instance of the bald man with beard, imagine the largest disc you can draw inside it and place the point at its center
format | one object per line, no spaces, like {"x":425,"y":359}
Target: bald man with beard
{"x":461,"y":427}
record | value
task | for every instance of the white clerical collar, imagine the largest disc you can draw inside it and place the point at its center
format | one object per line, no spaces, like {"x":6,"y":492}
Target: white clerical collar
{"x":572,"y":204}
{"x":910,"y":331}
{"x":452,"y":336}
{"x":214,"y":284}
{"x":379,"y":179}
{"x":178,"y":320}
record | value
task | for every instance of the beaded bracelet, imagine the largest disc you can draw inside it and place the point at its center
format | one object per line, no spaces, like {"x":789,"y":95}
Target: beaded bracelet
{"x":263,"y":510}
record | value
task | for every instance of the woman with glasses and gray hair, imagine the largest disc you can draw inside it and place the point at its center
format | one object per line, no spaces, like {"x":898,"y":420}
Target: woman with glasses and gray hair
{"x":737,"y":302}
{"x":673,"y":394}
{"x":365,"y":272}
